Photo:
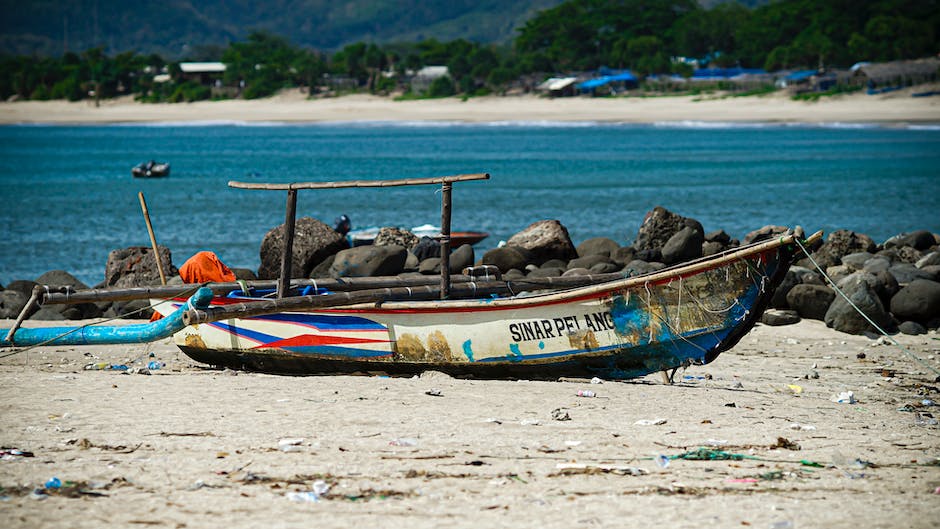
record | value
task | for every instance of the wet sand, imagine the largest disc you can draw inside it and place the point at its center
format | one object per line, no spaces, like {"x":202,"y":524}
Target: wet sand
{"x":189,"y":446}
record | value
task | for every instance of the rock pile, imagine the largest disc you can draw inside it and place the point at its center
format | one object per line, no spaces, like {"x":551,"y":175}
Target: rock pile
{"x":896,"y":283}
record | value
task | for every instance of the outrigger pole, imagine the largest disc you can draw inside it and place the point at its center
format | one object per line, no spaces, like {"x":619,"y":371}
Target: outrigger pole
{"x":291,"y":214}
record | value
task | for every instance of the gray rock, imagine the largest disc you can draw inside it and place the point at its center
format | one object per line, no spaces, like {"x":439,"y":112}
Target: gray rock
{"x":906,"y":254}
{"x":912,"y":328}
{"x":79,"y":311}
{"x":838,"y":273}
{"x":604,"y":268}
{"x":906,"y":272}
{"x":323,"y":269}
{"x":461,"y":258}
{"x":841,"y":243}
{"x":763,"y":234}
{"x":779,"y":299}
{"x":623,"y":255}
{"x":777,"y":317}
{"x":47,"y":313}
{"x":391,"y":236}
{"x":918,"y":301}
{"x":546,"y":272}
{"x":369,"y":261}
{"x":23,"y":286}
{"x":412,"y":262}
{"x":719,"y":236}
{"x":650,"y":256}
{"x":587,"y":262}
{"x":841,"y":316}
{"x":685,"y":245}
{"x":136,"y":266}
{"x":856,"y":261}
{"x":919,"y":240}
{"x":597,"y":245}
{"x":429,"y":266}
{"x":712,"y":248}
{"x":933,"y":270}
{"x":637,"y":268}
{"x":506,"y":258}
{"x":887,"y":287}
{"x":244,"y":274}
{"x":555,"y":263}
{"x":659,"y":226}
{"x":878,"y":263}
{"x":138,"y":309}
{"x":314,"y":241}
{"x":426,"y":247}
{"x":577,"y":272}
{"x":11,"y":303}
{"x":544,"y":240}
{"x":514,"y":273}
{"x":930,"y":259}
{"x":810,"y":301}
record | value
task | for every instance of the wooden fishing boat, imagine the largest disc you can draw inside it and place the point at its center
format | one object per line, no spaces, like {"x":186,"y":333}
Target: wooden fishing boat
{"x":151,"y":169}
{"x":607,"y":325}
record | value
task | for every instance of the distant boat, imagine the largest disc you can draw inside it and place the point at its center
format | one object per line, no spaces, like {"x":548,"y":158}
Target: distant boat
{"x":151,"y":169}
{"x":457,"y":238}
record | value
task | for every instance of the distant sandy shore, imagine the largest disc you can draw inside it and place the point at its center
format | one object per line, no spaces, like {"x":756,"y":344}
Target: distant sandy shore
{"x":293,"y":107}
{"x":195,"y":447}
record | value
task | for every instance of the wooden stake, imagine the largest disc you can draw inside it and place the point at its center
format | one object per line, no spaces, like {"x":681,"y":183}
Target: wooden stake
{"x":288,"y":255}
{"x":153,"y":238}
{"x":446,"y":188}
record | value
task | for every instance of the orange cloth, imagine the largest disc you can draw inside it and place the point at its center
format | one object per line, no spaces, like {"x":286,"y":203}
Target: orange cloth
{"x":205,"y":267}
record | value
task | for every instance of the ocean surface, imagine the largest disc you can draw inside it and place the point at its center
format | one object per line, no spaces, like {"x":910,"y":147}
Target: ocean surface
{"x":67,"y":197}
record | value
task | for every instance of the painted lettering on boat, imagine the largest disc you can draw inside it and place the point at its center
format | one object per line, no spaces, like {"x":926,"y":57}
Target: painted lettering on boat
{"x":525,"y":331}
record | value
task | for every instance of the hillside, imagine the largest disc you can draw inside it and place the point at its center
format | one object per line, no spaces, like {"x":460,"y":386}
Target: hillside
{"x":197,"y":28}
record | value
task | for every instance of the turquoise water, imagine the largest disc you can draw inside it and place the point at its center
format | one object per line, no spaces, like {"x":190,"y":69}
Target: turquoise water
{"x":68,"y":198}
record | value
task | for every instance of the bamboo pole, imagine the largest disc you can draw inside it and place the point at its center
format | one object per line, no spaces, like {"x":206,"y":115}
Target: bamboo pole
{"x":33,"y":300}
{"x":446,"y":189}
{"x":361,"y":183}
{"x":153,"y":239}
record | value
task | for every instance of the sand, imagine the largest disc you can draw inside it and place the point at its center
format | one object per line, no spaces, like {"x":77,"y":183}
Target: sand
{"x":189,"y":446}
{"x":292,"y":106}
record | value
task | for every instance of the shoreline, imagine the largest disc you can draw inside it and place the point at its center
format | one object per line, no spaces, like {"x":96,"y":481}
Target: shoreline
{"x":292,"y":107}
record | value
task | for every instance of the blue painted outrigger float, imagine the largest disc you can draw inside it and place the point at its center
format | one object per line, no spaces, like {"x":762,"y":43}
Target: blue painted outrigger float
{"x":606,"y":325}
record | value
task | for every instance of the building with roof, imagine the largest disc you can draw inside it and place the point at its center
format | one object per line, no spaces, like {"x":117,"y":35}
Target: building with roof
{"x":425,"y":76}
{"x":558,"y":86}
{"x":206,"y":73}
{"x":885,"y":76}
{"x":610,"y":81}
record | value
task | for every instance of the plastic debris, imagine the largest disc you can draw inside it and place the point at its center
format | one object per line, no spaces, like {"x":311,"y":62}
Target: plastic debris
{"x":795,"y":389}
{"x":560,"y":414}
{"x":9,"y":454}
{"x":650,"y":422}
{"x":845,"y":397}
{"x":320,"y":488}
{"x":582,"y":468}
{"x":434,"y":393}
{"x":586,"y":393}
{"x":783,"y":524}
{"x":803,"y":427}
{"x":742,"y":480}
{"x":662,"y":461}
{"x":154,"y":365}
{"x":290,"y":444}
{"x":716,"y":442}
{"x":596,"y":380}
{"x":403,"y":441}
{"x":54,"y":483}
{"x":529,"y":422}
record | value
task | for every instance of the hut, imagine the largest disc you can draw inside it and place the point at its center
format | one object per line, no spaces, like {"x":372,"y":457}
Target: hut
{"x":425,"y":76}
{"x":558,"y":86}
{"x":887,"y":76}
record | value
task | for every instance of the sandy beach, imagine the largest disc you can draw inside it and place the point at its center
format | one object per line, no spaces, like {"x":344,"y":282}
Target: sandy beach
{"x":293,"y":107}
{"x":189,"y":446}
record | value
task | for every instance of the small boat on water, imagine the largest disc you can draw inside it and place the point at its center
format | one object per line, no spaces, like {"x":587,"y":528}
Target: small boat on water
{"x":151,"y":169}
{"x":366,"y":236}
{"x":474,"y":324}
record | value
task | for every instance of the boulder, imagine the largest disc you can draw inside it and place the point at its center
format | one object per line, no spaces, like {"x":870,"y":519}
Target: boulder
{"x":369,"y":261}
{"x":930,"y":259}
{"x":244,"y":274}
{"x":461,"y":258}
{"x":843,"y":317}
{"x":577,"y":272}
{"x":684,"y":245}
{"x":882,"y":284}
{"x":838,"y":273}
{"x":719,"y":236}
{"x":878,"y":263}
{"x":777,"y":317}
{"x":779,"y":299}
{"x":659,"y":226}
{"x":314,"y":241}
{"x":11,"y":303}
{"x":555,"y":263}
{"x":919,"y":240}
{"x":430,"y":266}
{"x":906,"y":272}
{"x":426,"y":247}
{"x":546,"y":272}
{"x":841,"y":243}
{"x":918,"y":301}
{"x":764,"y":234}
{"x":79,"y":311}
{"x":133,"y":309}
{"x":23,"y":286}
{"x":623,"y":255}
{"x":323,"y":269}
{"x":506,"y":258}
{"x":597,"y":245}
{"x":810,"y":301}
{"x":887,"y":287}
{"x":411,"y":263}
{"x":389,"y":236}
{"x":48,"y":313}
{"x":515,"y":273}
{"x":637,"y":268}
{"x":136,"y":266}
{"x":544,"y":240}
{"x":933,"y":270}
{"x":588,"y":261}
{"x":906,"y":254}
{"x":912,"y":328}
{"x":712,"y":248}
{"x":856,"y":261}
{"x":650,"y":256}
{"x":604,"y":268}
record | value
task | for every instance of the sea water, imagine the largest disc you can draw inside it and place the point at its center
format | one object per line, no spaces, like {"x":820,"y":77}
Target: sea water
{"x":67,"y":197}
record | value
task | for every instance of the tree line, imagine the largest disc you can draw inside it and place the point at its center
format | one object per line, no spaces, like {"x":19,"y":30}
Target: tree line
{"x":646,"y":36}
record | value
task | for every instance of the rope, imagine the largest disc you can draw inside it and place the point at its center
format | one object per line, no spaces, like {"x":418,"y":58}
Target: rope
{"x":857,"y":309}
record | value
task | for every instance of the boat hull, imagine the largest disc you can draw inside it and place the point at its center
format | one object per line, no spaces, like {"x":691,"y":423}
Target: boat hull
{"x":618,"y":330}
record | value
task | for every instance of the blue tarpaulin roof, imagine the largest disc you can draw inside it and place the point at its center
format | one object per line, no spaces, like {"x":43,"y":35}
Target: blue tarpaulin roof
{"x":725,"y":73}
{"x":799,"y":76}
{"x":618,"y":77}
